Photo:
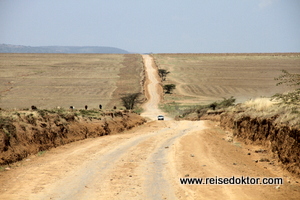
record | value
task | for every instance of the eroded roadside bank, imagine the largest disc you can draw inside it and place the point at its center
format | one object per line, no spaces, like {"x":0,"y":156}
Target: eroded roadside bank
{"x":23,"y":133}
{"x":282,"y":140}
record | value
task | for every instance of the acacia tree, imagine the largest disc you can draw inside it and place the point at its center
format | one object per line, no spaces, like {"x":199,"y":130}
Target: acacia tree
{"x":290,"y":80}
{"x":163,"y":74}
{"x":168,"y":88}
{"x":130,"y":100}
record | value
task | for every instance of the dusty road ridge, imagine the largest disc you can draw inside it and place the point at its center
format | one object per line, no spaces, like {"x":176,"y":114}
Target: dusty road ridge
{"x":145,"y":163}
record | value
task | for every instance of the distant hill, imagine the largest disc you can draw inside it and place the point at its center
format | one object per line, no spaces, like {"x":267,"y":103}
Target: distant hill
{"x":8,"y":48}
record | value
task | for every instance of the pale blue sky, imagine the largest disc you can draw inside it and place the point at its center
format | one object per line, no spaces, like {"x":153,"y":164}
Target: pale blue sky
{"x":158,"y":26}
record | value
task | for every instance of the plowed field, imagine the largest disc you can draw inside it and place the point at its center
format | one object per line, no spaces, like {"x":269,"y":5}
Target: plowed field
{"x":51,"y":80}
{"x":209,"y":77}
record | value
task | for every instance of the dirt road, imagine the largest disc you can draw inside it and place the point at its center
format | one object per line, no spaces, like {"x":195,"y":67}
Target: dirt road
{"x":153,"y":90}
{"x":146,"y":163}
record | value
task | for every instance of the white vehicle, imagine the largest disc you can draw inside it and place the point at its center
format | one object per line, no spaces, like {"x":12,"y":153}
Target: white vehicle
{"x":160,"y":117}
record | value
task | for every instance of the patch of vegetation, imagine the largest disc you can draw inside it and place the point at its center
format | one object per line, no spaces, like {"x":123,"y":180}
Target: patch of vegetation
{"x":200,"y":110}
{"x":42,"y":113}
{"x":17,"y":113}
{"x":182,"y":111}
{"x":88,"y":112}
{"x":91,"y":114}
{"x":6,"y":126}
{"x":6,"y":132}
{"x":225,"y":103}
{"x":138,"y":110}
{"x":40,"y":153}
{"x":289,"y":97}
{"x":173,"y":108}
{"x":31,"y":119}
{"x":62,"y":113}
{"x":288,"y":79}
{"x":4,"y":120}
{"x":69,"y":116}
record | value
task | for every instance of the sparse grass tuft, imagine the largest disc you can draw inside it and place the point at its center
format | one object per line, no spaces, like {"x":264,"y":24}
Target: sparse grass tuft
{"x":91,"y":114}
{"x":40,"y":153}
{"x":138,"y":110}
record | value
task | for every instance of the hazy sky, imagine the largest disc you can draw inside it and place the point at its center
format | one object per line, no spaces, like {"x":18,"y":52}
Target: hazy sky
{"x":158,"y":26}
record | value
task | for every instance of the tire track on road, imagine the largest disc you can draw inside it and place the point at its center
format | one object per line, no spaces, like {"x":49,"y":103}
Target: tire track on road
{"x":78,"y":184}
{"x":157,"y":183}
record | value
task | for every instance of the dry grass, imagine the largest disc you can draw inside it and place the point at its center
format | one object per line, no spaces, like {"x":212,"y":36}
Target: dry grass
{"x":51,"y":80}
{"x":259,"y":104}
{"x":265,"y":108}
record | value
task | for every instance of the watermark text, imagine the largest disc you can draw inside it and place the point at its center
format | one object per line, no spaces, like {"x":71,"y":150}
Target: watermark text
{"x":242,"y":180}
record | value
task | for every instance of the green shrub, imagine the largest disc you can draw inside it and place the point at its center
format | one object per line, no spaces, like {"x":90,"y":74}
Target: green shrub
{"x":226,"y":102}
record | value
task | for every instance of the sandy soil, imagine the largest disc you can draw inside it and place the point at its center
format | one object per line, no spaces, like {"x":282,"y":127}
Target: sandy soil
{"x":146,"y":163}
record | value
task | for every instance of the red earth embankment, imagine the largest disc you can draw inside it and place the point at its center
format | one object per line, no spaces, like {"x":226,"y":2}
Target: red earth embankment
{"x":30,"y":132}
{"x":282,"y":140}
